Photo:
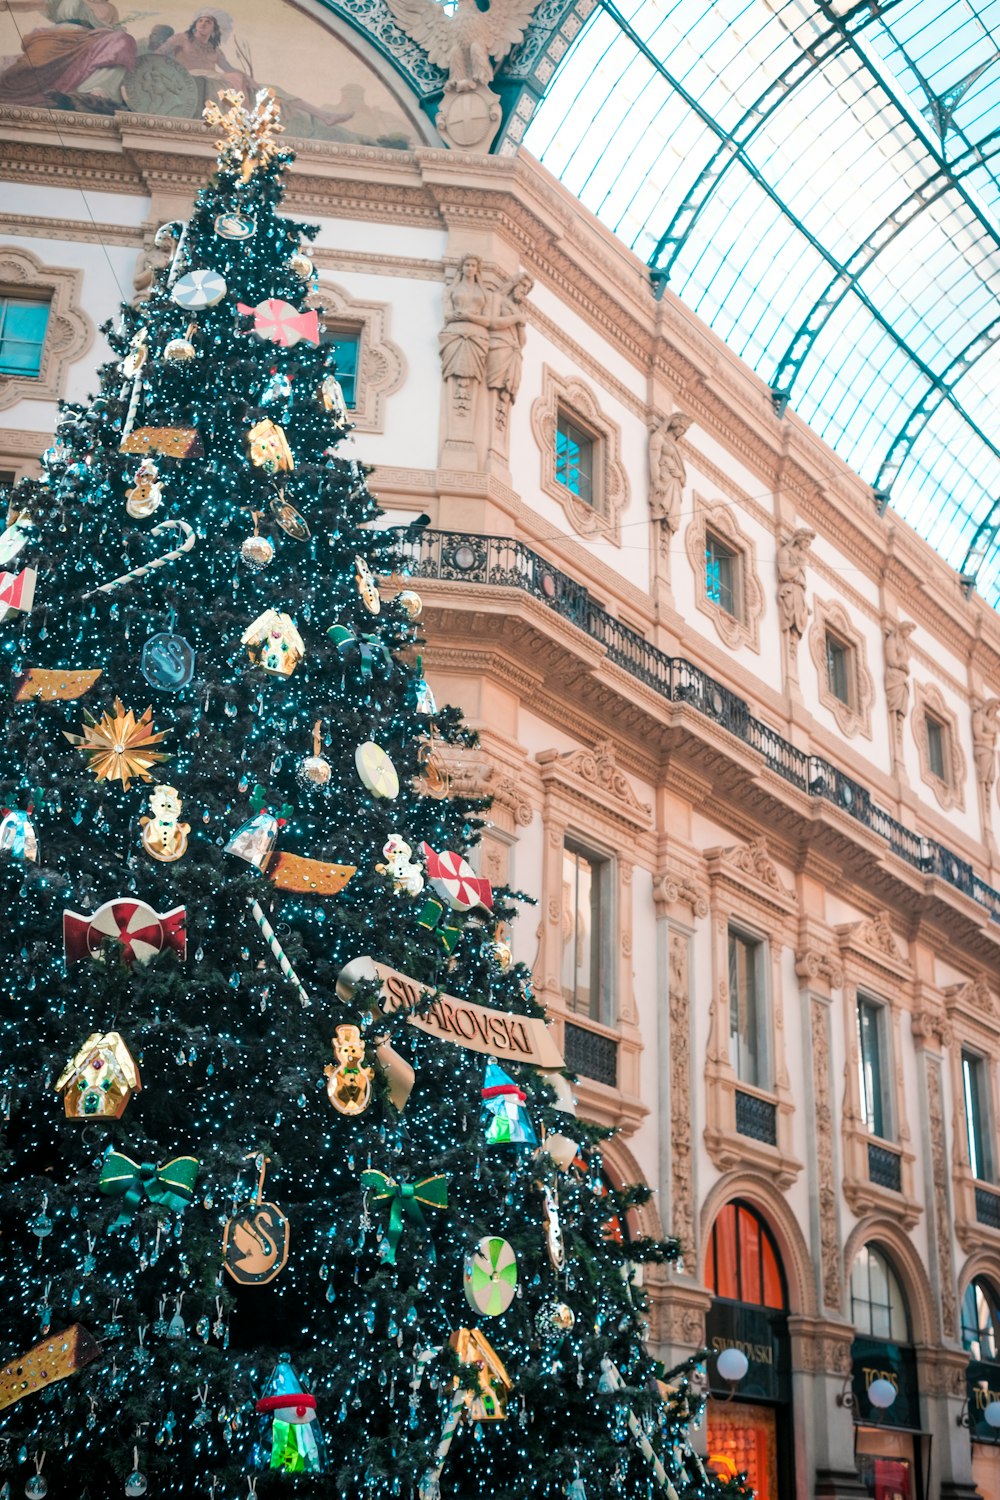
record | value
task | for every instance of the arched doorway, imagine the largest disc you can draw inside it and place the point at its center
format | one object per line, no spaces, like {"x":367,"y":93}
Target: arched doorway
{"x":748,"y":1425}
{"x":886,"y":1403}
{"x":980,"y":1323}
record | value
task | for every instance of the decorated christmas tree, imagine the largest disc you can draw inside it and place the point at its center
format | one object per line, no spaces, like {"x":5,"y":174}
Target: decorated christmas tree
{"x":295,"y":1199}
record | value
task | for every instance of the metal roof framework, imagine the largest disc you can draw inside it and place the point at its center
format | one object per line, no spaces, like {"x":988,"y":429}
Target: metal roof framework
{"x":819,"y":180}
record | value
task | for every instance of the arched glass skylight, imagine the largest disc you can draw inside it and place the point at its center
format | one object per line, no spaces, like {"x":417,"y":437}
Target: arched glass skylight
{"x":821,"y":183}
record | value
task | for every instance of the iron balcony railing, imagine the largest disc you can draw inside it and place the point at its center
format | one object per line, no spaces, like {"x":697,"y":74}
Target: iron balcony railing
{"x":502,"y":562}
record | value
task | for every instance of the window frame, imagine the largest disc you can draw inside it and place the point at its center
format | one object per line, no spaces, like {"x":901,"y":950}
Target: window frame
{"x":569,"y":396}
{"x":884,"y":1112}
{"x":979,"y":1135}
{"x":717,"y":546}
{"x":762,"y":1054}
{"x":847,"y":657}
{"x":930,"y":707}
{"x":875,"y":1252}
{"x":10,"y":299}
{"x":980,"y":1287}
{"x":718,"y":520}
{"x":570,"y":429}
{"x":333,"y":331}
{"x":602,"y":933}
{"x":831,"y":622}
{"x":765,"y":1242}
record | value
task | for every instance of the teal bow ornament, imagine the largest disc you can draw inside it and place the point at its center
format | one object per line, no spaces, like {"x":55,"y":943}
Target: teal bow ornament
{"x":171,"y":1185}
{"x":405,"y":1199}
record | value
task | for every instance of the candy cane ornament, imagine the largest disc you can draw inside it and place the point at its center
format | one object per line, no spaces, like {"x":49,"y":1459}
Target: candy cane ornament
{"x":429,"y":1487}
{"x":158,"y":562}
{"x":271,"y":938}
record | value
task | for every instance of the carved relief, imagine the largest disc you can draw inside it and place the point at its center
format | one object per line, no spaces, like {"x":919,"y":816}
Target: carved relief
{"x":670,"y":887}
{"x":466,"y":43}
{"x":896,"y":637}
{"x":598,"y":768}
{"x":826,"y":1181}
{"x":602,"y":517}
{"x":874,"y":933}
{"x":753,"y":859}
{"x":811,"y":965}
{"x":942,"y":1215}
{"x":739,"y":626}
{"x":667,"y":478}
{"x":793,"y":612}
{"x":381,"y":364}
{"x":681,"y":1161}
{"x":69,"y":333}
{"x":945,"y":776}
{"x":974,"y":996}
{"x":853,"y":714}
{"x":984,"y":756}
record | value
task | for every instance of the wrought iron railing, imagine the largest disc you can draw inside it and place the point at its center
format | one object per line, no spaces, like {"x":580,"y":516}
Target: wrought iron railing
{"x":885,"y":1168}
{"x":756,"y":1118}
{"x":988,"y":1208}
{"x":591,"y":1054}
{"x":503,"y":562}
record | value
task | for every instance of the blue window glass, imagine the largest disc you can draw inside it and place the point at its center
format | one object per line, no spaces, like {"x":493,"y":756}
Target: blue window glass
{"x":721,"y":565}
{"x":574,"y":458}
{"x":346,"y":346}
{"x":872,"y":1067}
{"x":22,"y":335}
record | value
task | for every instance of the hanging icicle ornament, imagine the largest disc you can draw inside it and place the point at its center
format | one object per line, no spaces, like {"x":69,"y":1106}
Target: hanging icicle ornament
{"x":289,"y":1438}
{"x":257,"y":551}
{"x":315,"y":770}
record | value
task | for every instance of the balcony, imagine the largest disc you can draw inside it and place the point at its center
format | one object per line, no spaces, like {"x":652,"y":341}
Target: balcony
{"x":885,"y":1168}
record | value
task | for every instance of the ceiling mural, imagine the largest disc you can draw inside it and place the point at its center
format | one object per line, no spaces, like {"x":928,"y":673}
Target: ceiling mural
{"x":90,"y":57}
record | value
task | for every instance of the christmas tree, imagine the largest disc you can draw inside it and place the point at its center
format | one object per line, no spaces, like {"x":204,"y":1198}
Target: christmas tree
{"x":295,"y":1199}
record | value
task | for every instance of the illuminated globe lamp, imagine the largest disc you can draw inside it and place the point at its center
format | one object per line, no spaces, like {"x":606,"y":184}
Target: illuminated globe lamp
{"x":991,"y":1414}
{"x":881,"y":1394}
{"x":732,"y":1365}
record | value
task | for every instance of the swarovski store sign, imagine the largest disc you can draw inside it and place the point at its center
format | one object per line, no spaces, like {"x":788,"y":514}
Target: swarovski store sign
{"x":762,"y":1336}
{"x":884,"y":1383}
{"x":982,"y":1388}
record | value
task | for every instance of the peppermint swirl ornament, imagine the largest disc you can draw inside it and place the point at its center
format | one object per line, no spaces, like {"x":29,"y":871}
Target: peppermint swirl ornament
{"x":490,"y":1278}
{"x":199,"y":289}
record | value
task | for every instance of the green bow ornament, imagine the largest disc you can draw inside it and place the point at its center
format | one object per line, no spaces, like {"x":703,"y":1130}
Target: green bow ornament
{"x":405,"y":1199}
{"x":172,"y":1185}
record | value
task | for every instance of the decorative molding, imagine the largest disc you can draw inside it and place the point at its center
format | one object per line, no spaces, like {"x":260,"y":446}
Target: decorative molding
{"x":381,"y":363}
{"x":889,"y":1232}
{"x":976,"y":998}
{"x":681,"y":1158}
{"x":826,"y":1185}
{"x":873,"y":943}
{"x":942,"y":1209}
{"x":671,"y":886}
{"x":753,"y":860}
{"x":811,"y":965}
{"x":77,"y":231}
{"x":762,"y":1190}
{"x":69,"y":334}
{"x":949,"y":790}
{"x":856,"y":716}
{"x":742,"y":628}
{"x":611,"y":487}
{"x":598,"y":773}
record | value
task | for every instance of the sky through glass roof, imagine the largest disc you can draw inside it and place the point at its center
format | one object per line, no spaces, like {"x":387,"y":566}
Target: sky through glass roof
{"x":821,"y":183}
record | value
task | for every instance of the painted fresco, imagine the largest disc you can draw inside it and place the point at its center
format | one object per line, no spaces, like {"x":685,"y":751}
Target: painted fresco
{"x":94,"y":57}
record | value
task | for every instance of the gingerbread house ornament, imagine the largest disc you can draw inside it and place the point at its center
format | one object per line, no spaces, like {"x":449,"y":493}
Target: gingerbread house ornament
{"x":100,"y":1080}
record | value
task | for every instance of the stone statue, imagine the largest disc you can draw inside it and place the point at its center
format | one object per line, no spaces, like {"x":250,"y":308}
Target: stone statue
{"x":792,"y":605}
{"x":667,"y":474}
{"x":504,"y":356}
{"x":984,"y":742}
{"x":465,"y":43}
{"x":464,"y":339}
{"x":897,"y":666}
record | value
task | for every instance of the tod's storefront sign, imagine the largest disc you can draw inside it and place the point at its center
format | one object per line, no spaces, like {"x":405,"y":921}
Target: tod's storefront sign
{"x":895,"y":1364}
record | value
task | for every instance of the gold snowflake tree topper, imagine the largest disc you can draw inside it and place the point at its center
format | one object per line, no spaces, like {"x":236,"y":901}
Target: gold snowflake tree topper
{"x":118,"y":745}
{"x":249,"y":140}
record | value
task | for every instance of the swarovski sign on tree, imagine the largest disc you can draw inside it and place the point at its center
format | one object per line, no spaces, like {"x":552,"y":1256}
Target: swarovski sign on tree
{"x":294,"y":1196}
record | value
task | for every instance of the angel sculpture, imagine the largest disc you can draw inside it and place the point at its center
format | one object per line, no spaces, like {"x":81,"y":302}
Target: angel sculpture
{"x":464,"y":42}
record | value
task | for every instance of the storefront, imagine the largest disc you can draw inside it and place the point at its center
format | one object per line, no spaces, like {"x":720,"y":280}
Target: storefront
{"x":748,"y":1422}
{"x":981,"y":1340}
{"x":890,"y":1447}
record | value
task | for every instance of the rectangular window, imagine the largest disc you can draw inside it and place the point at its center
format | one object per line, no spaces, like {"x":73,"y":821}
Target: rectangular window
{"x":346,"y":346}
{"x":937,"y":761}
{"x":586,"y":915}
{"x":748,"y":1011}
{"x":873,"y":1070}
{"x":574,"y":458}
{"x":838,"y":667}
{"x":721,"y":575}
{"x":22,"y":335}
{"x":977,"y":1116}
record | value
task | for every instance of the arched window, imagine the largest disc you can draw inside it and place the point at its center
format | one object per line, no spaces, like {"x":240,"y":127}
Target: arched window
{"x":878,"y":1307}
{"x":981,"y":1320}
{"x":743,"y":1260}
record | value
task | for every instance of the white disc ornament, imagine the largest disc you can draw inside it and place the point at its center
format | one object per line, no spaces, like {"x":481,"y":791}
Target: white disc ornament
{"x":490,"y":1278}
{"x":199,"y":289}
{"x":376,"y":770}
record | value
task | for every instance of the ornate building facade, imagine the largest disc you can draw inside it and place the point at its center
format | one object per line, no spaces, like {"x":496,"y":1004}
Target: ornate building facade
{"x":739,"y":727}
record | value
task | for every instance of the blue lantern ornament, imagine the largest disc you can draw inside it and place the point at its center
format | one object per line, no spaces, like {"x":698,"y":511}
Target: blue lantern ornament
{"x":289,"y":1438}
{"x":505,"y":1120}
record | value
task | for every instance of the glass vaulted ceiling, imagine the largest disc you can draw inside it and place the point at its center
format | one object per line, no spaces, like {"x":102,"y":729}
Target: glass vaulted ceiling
{"x":821,"y":183}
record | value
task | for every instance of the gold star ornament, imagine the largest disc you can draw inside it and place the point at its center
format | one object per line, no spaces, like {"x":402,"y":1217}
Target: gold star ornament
{"x":249,"y":136}
{"x":118,"y":745}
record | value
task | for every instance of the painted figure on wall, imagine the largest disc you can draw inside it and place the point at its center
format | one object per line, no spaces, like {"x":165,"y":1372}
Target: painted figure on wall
{"x":91,"y":57}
